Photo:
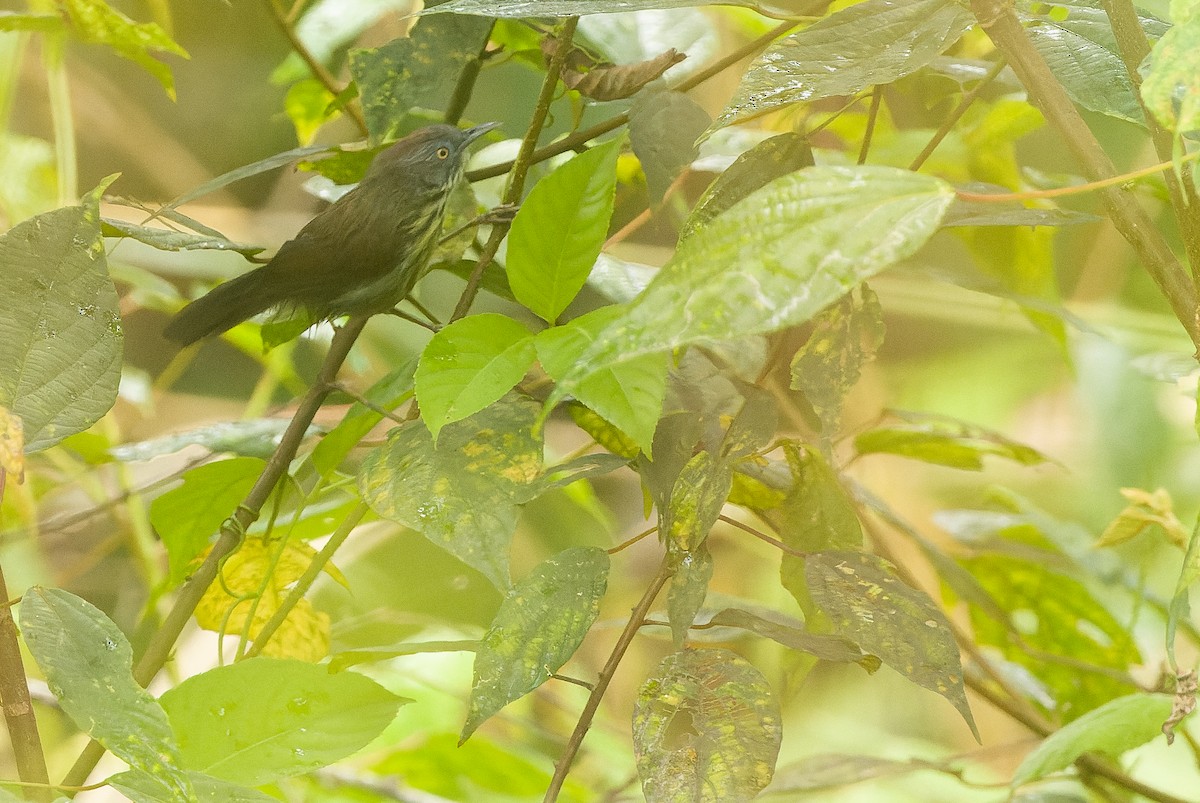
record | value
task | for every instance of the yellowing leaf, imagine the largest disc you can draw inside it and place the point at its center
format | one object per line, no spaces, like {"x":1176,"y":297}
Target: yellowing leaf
{"x":12,"y":443}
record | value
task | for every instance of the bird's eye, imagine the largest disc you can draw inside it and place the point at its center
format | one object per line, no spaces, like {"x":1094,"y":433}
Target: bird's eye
{"x":443,"y":152}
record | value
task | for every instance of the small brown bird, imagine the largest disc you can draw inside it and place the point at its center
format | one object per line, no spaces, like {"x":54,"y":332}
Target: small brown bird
{"x":360,"y":256}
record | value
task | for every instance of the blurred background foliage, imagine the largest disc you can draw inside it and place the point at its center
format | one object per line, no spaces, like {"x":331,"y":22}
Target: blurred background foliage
{"x":1094,"y":373}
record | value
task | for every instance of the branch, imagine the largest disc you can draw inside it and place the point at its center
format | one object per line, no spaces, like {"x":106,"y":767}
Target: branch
{"x":18,"y":708}
{"x":160,"y":646}
{"x":998,"y":20}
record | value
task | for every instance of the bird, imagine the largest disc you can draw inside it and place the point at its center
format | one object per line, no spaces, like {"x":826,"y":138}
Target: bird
{"x":361,"y":255}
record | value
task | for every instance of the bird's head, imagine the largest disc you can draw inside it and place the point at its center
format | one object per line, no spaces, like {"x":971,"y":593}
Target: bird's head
{"x":432,"y":156}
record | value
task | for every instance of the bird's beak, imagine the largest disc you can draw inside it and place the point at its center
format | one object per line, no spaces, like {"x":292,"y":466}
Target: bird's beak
{"x":478,"y":131}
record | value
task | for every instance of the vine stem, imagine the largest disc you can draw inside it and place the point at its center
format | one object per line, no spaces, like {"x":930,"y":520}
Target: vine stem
{"x":636,"y":619}
{"x":159,"y":648}
{"x":520,"y":166}
{"x":307,"y":579}
{"x":1078,"y":189}
{"x":999,"y":21}
{"x":948,"y":124}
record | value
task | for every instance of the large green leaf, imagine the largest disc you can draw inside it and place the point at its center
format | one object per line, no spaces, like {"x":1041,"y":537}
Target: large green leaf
{"x":462,"y":494}
{"x":869,"y":43}
{"x":628,"y":394}
{"x":1171,"y":82}
{"x":1113,"y":728}
{"x":141,"y":787}
{"x":188,"y":516}
{"x":706,"y":729}
{"x":539,"y":626}
{"x":60,"y":329}
{"x":469,"y":364}
{"x":97,"y":22}
{"x":418,"y":69}
{"x":772,"y":261}
{"x":263,"y":719}
{"x":559,"y":230}
{"x":1077,"y":42}
{"x":868,"y":605}
{"x":88,"y":664}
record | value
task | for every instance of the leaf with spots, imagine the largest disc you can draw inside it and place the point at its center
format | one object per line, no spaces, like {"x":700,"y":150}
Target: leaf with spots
{"x":828,"y":365}
{"x":418,"y":69}
{"x":462,"y":494}
{"x":706,"y":729}
{"x":537,"y":629}
{"x":689,"y":587}
{"x":88,"y":664}
{"x":263,"y":719}
{"x":868,"y":605}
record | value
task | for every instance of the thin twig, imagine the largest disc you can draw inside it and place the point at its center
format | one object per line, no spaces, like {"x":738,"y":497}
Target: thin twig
{"x":466,"y":82}
{"x":775,"y":542}
{"x":18,"y":708}
{"x":520,"y":166}
{"x":952,"y":119}
{"x":626,"y":544}
{"x":636,"y":618}
{"x":872,"y":115}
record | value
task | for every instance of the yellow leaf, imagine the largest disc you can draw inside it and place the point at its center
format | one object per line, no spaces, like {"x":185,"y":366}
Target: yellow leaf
{"x":12,"y":444}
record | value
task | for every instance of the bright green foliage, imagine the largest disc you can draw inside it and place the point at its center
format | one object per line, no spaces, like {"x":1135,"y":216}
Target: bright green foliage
{"x":559,"y":230}
{"x":140,"y":787}
{"x":265,"y":718}
{"x":60,"y":332}
{"x":628,"y":394}
{"x":463,"y":493}
{"x":873,"y":42}
{"x":88,"y":664}
{"x":470,"y":364}
{"x":1119,"y":725}
{"x":944,"y":442}
{"x":539,"y":626}
{"x":187,"y":517}
{"x":868,"y":605}
{"x":705,"y":729}
{"x":96,"y":22}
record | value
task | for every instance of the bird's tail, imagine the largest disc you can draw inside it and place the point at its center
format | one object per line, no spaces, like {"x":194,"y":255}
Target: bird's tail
{"x":224,"y":307}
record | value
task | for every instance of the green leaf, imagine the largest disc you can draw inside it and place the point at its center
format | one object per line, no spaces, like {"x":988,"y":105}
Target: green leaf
{"x":628,"y":394}
{"x":273,"y":162}
{"x":387,"y":394}
{"x":263,"y":719}
{"x":946,"y":442}
{"x":1077,"y":42}
{"x":539,"y":626}
{"x":978,"y":213}
{"x":469,"y":364}
{"x":868,"y":605}
{"x":307,"y":106}
{"x":60,"y":329}
{"x":559,"y":230}
{"x":1049,"y":613}
{"x":188,"y":516}
{"x":604,"y":433}
{"x":870,"y":43}
{"x":705,"y":728}
{"x":828,"y":365}
{"x":820,"y":645}
{"x":171,"y":240}
{"x":1179,"y":608}
{"x":96,"y":22}
{"x":140,"y":787}
{"x":663,"y":129}
{"x":689,"y":586}
{"x":420,"y":68}
{"x":771,"y":261}
{"x":462,"y":494}
{"x":326,"y":26}
{"x":816,"y":515}
{"x":769,"y":159}
{"x":696,"y":499}
{"x":1169,"y":85}
{"x":46,"y":23}
{"x":88,"y":665}
{"x":1112,"y":729}
{"x":566,"y":8}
